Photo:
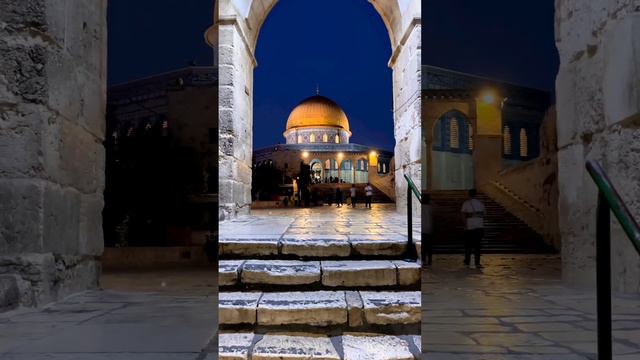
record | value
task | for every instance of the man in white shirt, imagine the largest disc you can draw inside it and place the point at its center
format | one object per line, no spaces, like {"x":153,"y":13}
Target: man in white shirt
{"x":368,"y":191}
{"x":353,"y":196}
{"x":473,"y":212}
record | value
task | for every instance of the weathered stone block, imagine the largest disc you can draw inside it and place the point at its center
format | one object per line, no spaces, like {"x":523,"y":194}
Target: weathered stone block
{"x":317,"y":246}
{"x":408,"y":272}
{"x":20,"y":208}
{"x":249,"y":246}
{"x":61,"y":220}
{"x":237,"y":307}
{"x":378,"y":245}
{"x":386,"y":308}
{"x":234,"y":346}
{"x":229,"y":272}
{"x":294,"y":347}
{"x":375,"y":347}
{"x":320,"y":308}
{"x":280,"y":272}
{"x":355,"y":309}
{"x":358,"y":273}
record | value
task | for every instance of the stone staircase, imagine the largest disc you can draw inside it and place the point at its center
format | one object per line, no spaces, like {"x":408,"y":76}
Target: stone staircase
{"x":318,"y":297}
{"x":504,"y":232}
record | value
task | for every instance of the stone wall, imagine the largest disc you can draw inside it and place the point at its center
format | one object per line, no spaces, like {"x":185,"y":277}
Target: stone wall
{"x":598,"y":102}
{"x":52,"y":107}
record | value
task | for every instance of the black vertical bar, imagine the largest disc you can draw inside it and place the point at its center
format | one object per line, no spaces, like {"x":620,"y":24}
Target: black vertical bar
{"x":603,"y":278}
{"x":409,"y":251}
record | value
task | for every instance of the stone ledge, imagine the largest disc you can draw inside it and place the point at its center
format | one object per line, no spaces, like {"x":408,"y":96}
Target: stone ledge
{"x":320,"y":308}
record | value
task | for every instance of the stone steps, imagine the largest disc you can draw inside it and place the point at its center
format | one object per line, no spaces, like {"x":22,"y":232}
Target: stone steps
{"x":343,"y":309}
{"x":354,"y":274}
{"x":312,"y":247}
{"x":303,"y":346}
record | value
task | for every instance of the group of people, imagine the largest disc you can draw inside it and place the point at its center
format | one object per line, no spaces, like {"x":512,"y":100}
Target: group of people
{"x":353,"y":196}
{"x":472,"y":213}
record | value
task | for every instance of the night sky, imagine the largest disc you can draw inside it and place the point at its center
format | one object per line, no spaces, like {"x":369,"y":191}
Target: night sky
{"x":305,"y":43}
{"x":503,"y":39}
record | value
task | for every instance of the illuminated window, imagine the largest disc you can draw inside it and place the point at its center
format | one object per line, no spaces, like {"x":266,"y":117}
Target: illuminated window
{"x":524,"y":151}
{"x":325,"y":138}
{"x":470,"y":138}
{"x":506,"y":140}
{"x":337,"y":139}
{"x":327,"y":164}
{"x":453,"y":134}
{"x":299,"y":139}
{"x":312,"y":138}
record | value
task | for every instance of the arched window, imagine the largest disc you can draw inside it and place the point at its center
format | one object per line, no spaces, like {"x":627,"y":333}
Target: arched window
{"x":506,"y":140}
{"x":299,"y":139}
{"x":470,"y":138}
{"x":325,"y":138}
{"x":453,"y":134}
{"x":524,"y":150}
{"x":327,"y":164}
{"x":312,"y":138}
{"x":337,"y":139}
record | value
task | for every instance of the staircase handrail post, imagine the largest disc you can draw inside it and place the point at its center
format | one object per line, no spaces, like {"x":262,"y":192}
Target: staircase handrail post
{"x":410,"y":253}
{"x":603,"y":278}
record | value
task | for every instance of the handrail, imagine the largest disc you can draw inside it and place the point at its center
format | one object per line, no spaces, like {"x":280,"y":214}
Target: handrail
{"x":413,"y":187}
{"x":608,"y":201}
{"x":410,"y":253}
{"x":618,"y":207}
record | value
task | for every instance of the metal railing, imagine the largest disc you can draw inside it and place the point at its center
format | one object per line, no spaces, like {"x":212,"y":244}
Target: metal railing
{"x":608,"y":201}
{"x":410,"y":253}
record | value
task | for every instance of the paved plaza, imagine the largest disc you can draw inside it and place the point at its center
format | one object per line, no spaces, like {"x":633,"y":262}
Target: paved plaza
{"x":516,"y":308}
{"x":154,"y":315}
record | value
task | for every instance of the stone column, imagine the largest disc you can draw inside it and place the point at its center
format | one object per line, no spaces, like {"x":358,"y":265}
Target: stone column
{"x":405,"y":63}
{"x":598,"y":103}
{"x":235,"y":65}
{"x":52,"y":110}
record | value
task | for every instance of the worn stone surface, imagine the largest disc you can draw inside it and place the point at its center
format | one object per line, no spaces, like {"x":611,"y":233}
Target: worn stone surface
{"x":252,"y":245}
{"x":238,"y":307}
{"x":384,"y":308}
{"x":378,"y":245}
{"x":598,"y":104}
{"x":355,"y":308}
{"x":280,"y":272}
{"x":316,"y":245}
{"x":319,"y":308}
{"x":408,"y":272}
{"x":358,"y":273}
{"x":234,"y":346}
{"x":52,"y":107}
{"x":375,"y":347}
{"x":229,"y":272}
{"x":294,"y":347}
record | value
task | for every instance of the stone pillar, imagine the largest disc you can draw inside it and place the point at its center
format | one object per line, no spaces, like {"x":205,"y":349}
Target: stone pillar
{"x":405,"y":63}
{"x":598,"y":103}
{"x":487,"y":152}
{"x":52,"y":111}
{"x":235,"y":65}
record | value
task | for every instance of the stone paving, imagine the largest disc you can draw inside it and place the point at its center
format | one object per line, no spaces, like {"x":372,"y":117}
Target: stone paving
{"x":155,"y":315}
{"x":516,"y":308}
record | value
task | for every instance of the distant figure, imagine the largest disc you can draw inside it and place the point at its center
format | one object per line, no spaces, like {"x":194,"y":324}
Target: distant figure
{"x":473,"y":213}
{"x":427,"y":230}
{"x":368,"y":191}
{"x":353,"y":195}
{"x":338,"y":197}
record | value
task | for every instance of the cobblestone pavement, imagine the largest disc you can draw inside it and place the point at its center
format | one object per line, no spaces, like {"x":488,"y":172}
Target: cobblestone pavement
{"x":159,"y":315}
{"x":516,"y":308}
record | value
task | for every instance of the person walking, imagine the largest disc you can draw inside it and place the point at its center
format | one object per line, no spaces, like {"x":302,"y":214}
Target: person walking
{"x":473,"y":212}
{"x":427,"y":230}
{"x":368,"y":191}
{"x":338,"y":197}
{"x":353,"y":194}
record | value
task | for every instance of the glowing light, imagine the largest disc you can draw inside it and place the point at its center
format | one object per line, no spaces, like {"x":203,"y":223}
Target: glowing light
{"x":488,"y":97}
{"x":373,"y":154}
{"x":305,"y":154}
{"x":340,"y":154}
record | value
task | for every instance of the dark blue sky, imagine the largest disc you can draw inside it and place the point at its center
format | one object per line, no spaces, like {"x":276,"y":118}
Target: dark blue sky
{"x":502,"y":39}
{"x":147,"y":37}
{"x":308,"y":42}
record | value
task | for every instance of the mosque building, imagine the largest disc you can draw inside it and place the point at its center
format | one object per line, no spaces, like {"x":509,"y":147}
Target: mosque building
{"x":317,"y":134}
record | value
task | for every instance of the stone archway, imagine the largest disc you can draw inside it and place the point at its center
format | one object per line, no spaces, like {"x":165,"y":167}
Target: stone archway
{"x":235,"y":34}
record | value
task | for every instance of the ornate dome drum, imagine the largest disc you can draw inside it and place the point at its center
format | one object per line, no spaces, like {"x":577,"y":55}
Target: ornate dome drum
{"x":317,"y":120}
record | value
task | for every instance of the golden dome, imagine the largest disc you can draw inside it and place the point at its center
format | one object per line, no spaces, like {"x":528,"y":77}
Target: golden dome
{"x":317,"y":111}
